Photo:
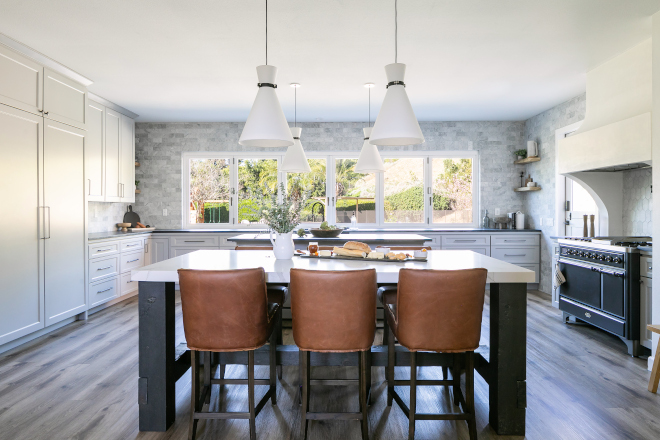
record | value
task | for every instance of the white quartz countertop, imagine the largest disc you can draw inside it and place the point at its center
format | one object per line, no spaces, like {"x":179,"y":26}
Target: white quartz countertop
{"x":277,"y":271}
{"x":374,"y":237}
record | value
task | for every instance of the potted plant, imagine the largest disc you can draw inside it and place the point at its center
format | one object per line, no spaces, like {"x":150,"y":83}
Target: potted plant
{"x":282,"y":217}
{"x":521,"y":154}
{"x":137,"y":190}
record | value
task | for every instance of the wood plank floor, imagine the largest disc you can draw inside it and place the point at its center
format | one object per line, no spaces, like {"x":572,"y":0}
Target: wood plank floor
{"x":80,"y":382}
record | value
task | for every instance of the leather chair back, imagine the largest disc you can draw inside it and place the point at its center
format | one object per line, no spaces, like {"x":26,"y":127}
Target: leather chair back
{"x":333,"y":311}
{"x":440,"y":310}
{"x":225,"y":310}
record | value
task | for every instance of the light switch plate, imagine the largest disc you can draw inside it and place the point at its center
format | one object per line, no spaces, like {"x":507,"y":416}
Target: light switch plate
{"x":497,"y":211}
{"x":165,"y":212}
{"x":541,"y":221}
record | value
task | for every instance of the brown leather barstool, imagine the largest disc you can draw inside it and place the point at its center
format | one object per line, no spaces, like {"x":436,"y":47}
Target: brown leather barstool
{"x":435,"y":310}
{"x":226,"y":311}
{"x":334,"y":312}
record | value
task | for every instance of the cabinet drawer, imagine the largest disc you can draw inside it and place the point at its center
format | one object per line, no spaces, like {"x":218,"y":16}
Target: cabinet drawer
{"x":130,"y":245}
{"x":515,"y":240}
{"x":646,"y":266}
{"x":132,"y":260}
{"x":465,"y":240}
{"x":103,"y":267}
{"x":103,"y":291}
{"x":592,"y":316}
{"x":205,"y":241}
{"x":483,"y":250}
{"x":100,"y":249}
{"x":126,"y":285}
{"x":516,"y":255}
{"x":535,"y":267}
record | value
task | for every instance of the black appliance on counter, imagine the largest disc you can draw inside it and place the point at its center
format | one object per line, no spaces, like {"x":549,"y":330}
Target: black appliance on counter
{"x":602,"y":285}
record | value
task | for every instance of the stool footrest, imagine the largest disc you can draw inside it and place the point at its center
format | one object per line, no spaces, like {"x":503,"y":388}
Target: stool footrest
{"x":239,"y":382}
{"x":427,"y":383}
{"x":334,"y":416}
{"x":334,"y":382}
{"x":222,"y":415}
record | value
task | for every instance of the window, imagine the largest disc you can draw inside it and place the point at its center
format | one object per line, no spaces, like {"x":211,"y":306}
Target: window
{"x":355,"y":193}
{"x":257,"y":178}
{"x":315,"y":184}
{"x":404,"y":190}
{"x":451,"y":183}
{"x":417,"y":188}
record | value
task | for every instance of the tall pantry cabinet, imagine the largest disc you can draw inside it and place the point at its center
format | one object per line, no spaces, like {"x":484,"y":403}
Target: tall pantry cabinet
{"x":43,"y":121}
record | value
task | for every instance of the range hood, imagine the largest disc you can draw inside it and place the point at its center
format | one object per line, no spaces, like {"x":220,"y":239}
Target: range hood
{"x":616,"y":132}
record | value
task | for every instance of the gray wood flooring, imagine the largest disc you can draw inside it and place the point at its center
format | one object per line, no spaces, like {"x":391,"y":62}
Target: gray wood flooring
{"x":81,"y":383}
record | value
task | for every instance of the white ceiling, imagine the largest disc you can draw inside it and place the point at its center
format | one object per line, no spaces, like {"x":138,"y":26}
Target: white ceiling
{"x":194,"y":60}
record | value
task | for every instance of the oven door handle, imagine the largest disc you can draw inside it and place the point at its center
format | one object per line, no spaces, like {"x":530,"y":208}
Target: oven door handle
{"x":578,"y":264}
{"x":612,"y":272}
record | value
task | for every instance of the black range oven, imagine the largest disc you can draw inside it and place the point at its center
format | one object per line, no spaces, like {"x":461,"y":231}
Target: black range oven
{"x":602,"y":287}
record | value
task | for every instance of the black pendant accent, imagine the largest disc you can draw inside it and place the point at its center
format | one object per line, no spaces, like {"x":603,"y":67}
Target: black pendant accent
{"x":395,"y":83}
{"x":366,"y":139}
{"x":296,"y":138}
{"x":267,"y":85}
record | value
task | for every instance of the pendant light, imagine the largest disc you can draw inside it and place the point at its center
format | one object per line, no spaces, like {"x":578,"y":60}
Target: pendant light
{"x":396,"y":123}
{"x":266,"y":125}
{"x":294,"y":160}
{"x":369,"y":160}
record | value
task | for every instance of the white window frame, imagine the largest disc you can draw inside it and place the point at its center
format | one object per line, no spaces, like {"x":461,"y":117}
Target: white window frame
{"x":330,"y":157}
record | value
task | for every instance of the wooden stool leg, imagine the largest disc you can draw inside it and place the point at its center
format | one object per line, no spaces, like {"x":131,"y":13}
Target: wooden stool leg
{"x":386,"y":330}
{"x":304,"y":376}
{"x":456,"y":377}
{"x":367,"y":354}
{"x":364,"y":390}
{"x":391,"y":357}
{"x":194,"y":393}
{"x":273,"y":368}
{"x":655,"y":371}
{"x":445,"y":373}
{"x":253,"y":429}
{"x":280,"y":338}
{"x":469,"y":395}
{"x":413,"y":395}
{"x":207,"y":376}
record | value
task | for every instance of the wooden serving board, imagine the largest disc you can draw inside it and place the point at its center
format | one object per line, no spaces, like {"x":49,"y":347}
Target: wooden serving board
{"x":141,"y":229}
{"x":343,"y":257}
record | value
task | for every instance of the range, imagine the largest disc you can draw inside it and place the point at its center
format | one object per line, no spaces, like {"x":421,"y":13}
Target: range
{"x":602,"y":284}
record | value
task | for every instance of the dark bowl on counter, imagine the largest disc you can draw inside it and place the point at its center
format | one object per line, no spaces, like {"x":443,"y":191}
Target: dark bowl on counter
{"x":326,"y":233}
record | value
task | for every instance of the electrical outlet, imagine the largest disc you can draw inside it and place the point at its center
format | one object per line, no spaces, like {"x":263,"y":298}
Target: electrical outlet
{"x":497,"y":211}
{"x":549,"y":221}
{"x":165,"y":212}
{"x":541,"y":221}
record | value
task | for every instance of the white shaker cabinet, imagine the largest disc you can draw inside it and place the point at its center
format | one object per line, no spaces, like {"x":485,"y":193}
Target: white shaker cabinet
{"x":157,"y":250}
{"x":112,"y":156}
{"x":127,"y":160}
{"x":64,"y":100}
{"x":64,"y":221}
{"x":21,"y":82}
{"x":21,"y":278}
{"x":95,"y":152}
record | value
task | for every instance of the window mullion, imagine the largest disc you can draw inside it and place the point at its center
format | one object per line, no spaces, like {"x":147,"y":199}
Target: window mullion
{"x":233,"y":211}
{"x":330,"y":189}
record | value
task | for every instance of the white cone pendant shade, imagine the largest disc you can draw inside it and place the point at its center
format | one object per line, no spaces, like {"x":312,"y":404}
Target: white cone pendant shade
{"x":266,"y":125}
{"x":396,"y":123}
{"x":369,"y":160}
{"x":295,"y":160}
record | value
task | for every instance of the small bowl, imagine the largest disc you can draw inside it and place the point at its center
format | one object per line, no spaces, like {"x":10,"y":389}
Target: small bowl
{"x":384,"y":250}
{"x":124,"y":226}
{"x":420,"y":254}
{"x":326,"y":233}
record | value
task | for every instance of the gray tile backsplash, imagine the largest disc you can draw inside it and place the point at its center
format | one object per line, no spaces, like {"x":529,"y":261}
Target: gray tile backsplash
{"x":637,"y":202}
{"x":103,"y":217}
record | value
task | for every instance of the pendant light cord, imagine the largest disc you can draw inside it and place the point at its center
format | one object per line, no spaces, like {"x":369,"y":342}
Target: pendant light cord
{"x":369,"y":125}
{"x":396,"y":29}
{"x":267,"y":32}
{"x":295,"y":106}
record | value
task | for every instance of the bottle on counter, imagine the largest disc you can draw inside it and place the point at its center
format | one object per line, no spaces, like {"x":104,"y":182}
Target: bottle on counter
{"x":485,"y":223}
{"x":354,"y":225}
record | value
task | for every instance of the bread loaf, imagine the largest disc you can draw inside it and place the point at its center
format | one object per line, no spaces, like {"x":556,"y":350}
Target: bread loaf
{"x":358,"y":246}
{"x":348,"y":252}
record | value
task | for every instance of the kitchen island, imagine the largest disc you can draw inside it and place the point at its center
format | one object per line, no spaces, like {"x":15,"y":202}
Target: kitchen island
{"x":502,"y":364}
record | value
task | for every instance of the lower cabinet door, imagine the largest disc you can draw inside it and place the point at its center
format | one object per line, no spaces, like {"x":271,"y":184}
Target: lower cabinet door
{"x":126,"y":285}
{"x":156,"y":250}
{"x":645,"y":309}
{"x":103,"y":291}
{"x":65,"y":239}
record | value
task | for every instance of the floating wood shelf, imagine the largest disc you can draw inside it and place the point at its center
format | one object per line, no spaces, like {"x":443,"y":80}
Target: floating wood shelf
{"x":137,"y":164}
{"x":137,"y":191}
{"x":527,"y":160}
{"x":527,"y":188}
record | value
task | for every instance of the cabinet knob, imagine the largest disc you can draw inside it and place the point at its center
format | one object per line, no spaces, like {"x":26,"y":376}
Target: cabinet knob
{"x":45,"y":113}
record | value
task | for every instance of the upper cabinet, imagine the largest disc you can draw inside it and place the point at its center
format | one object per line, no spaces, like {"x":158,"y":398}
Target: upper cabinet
{"x":64,"y":100}
{"x":21,"y":86}
{"x":95,"y":152}
{"x":127,"y":159}
{"x":113,"y":190}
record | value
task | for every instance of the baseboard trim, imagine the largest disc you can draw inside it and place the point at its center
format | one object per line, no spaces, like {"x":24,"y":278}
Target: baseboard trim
{"x":32,"y":336}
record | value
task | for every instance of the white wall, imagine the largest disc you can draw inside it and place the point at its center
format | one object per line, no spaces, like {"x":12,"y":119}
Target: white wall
{"x":656,"y":153}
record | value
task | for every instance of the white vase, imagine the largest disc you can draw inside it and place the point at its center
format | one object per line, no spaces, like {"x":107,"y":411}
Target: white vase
{"x":282,"y":245}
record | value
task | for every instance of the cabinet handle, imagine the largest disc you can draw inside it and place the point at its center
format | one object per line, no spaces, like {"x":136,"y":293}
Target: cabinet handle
{"x":193,"y":241}
{"x":101,"y":291}
{"x":40,"y":111}
{"x":514,"y":255}
{"x":465,"y":241}
{"x":516,"y":241}
{"x":133,"y":261}
{"x":44,"y":222}
{"x":45,"y":113}
{"x":146,"y":248}
{"x":104,"y":268}
{"x":131,"y":245}
{"x":103,"y":250}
